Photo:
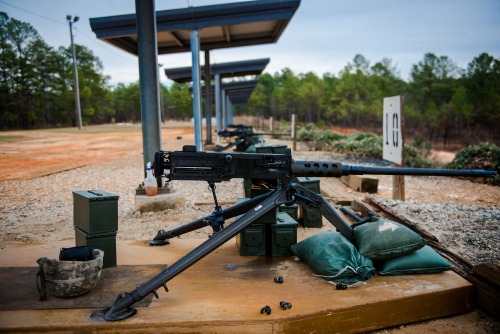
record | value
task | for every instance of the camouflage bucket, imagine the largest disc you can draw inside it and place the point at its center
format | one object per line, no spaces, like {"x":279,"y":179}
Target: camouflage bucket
{"x":68,"y":278}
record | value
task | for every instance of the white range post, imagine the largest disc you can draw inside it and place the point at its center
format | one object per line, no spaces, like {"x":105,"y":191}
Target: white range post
{"x":393,"y":130}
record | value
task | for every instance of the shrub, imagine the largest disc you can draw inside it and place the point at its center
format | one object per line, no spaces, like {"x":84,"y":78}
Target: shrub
{"x":362,"y":144}
{"x":481,"y":156}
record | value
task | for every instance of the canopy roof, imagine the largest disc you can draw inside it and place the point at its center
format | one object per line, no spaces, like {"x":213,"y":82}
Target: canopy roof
{"x":236,"y":91}
{"x":220,"y":26}
{"x":239,"y":97}
{"x":225,"y":70}
{"x":234,"y":86}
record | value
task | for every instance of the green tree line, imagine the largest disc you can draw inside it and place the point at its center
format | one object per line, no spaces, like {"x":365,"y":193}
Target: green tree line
{"x":442,"y":100}
{"x":36,"y":85}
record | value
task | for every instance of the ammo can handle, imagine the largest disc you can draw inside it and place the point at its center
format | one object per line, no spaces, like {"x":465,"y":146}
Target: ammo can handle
{"x":93,"y":192}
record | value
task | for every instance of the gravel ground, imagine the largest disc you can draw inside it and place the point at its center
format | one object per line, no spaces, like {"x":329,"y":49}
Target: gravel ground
{"x":464,"y":216}
{"x":471,"y":231}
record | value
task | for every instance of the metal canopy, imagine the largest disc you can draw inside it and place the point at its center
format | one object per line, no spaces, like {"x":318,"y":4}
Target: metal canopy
{"x":235,"y":87}
{"x":240,"y":97}
{"x":224,"y":70}
{"x":220,"y":26}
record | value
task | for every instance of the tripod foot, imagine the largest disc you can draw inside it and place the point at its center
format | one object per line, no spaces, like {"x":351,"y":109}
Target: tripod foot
{"x":159,"y":242}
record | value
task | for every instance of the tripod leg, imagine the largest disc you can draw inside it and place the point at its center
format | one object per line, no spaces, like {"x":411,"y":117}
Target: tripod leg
{"x":231,"y":212}
{"x":122,"y":309}
{"x":310,"y":199}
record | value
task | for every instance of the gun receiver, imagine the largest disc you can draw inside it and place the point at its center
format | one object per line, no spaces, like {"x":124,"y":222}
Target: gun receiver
{"x":217,"y":167}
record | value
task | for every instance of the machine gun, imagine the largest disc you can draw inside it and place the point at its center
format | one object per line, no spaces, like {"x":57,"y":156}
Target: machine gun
{"x":217,"y":167}
{"x":245,"y":135}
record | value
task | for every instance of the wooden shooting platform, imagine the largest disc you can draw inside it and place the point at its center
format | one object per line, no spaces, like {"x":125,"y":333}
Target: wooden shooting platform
{"x":225,"y":292}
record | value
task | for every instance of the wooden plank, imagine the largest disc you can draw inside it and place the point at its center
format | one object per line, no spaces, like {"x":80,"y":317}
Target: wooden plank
{"x":486,"y":280}
{"x":366,"y":317}
{"x":331,"y":191}
{"x":398,"y":187}
{"x":235,"y":293}
{"x":361,"y":184}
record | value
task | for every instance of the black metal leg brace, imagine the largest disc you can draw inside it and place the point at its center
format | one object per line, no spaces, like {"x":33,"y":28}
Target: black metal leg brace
{"x":231,"y":212}
{"x":122,"y":309}
{"x":309,"y":199}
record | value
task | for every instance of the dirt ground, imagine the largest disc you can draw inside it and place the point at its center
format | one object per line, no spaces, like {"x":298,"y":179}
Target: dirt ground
{"x":29,"y":156}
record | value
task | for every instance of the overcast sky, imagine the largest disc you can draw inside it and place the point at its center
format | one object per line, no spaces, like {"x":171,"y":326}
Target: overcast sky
{"x":323,"y":36}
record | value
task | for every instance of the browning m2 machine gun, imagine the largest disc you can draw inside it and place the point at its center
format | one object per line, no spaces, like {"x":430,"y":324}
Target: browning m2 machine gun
{"x":276,"y":169}
{"x":245,"y":137}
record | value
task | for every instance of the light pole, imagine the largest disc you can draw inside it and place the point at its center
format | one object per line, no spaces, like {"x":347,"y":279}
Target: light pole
{"x":75,"y":71}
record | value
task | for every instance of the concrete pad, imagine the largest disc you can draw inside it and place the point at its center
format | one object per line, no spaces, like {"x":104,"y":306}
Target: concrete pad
{"x":224,"y":293}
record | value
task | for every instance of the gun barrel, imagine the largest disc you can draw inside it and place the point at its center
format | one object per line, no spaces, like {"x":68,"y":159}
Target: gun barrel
{"x":337,"y":169}
{"x":360,"y":170}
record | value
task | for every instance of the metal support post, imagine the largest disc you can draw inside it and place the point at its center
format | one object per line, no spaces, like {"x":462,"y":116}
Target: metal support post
{"x":230,"y":114}
{"x":294,"y":132}
{"x":148,"y":78}
{"x":195,"y":73}
{"x":208,"y":97}
{"x":224,"y":107}
{"x":218,"y":114}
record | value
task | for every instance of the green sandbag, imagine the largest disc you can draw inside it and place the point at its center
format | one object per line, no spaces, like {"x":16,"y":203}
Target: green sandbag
{"x":380,"y":239}
{"x":334,"y":258}
{"x":424,"y":261}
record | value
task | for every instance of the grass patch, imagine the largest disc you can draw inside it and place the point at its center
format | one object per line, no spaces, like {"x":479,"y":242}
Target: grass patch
{"x":105,"y":128}
{"x":10,"y":138}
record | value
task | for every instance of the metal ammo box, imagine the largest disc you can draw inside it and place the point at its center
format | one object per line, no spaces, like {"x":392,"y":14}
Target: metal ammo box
{"x":95,"y":217}
{"x":311,"y":218}
{"x":308,"y":217}
{"x":267,"y":218}
{"x":252,"y":240}
{"x":267,"y":148}
{"x":95,"y":211}
{"x":311,"y":183}
{"x":283,"y":235}
{"x":104,"y":241}
{"x":291,"y":210}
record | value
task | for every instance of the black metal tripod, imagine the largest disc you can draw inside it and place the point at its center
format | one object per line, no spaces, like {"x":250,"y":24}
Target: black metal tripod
{"x":249,"y":211}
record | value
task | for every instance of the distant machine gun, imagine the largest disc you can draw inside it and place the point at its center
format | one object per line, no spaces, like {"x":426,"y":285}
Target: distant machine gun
{"x":277,"y":169}
{"x":244,"y":137}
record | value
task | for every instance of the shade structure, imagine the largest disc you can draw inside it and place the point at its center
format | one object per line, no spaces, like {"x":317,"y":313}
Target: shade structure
{"x":237,"y":91}
{"x":201,"y":28}
{"x":224,"y":70}
{"x":239,"y":97}
{"x":221,"y":26}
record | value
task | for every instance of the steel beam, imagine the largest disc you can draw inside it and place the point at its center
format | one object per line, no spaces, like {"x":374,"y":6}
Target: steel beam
{"x":195,"y":54}
{"x":148,"y":78}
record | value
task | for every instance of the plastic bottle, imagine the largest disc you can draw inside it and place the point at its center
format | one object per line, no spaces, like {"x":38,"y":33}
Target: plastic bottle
{"x":150,"y":182}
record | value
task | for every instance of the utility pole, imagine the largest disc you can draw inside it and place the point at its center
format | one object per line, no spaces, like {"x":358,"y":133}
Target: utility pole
{"x":75,"y":71}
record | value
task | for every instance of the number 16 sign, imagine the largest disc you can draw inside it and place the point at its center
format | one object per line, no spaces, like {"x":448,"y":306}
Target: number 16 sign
{"x":393,"y":131}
